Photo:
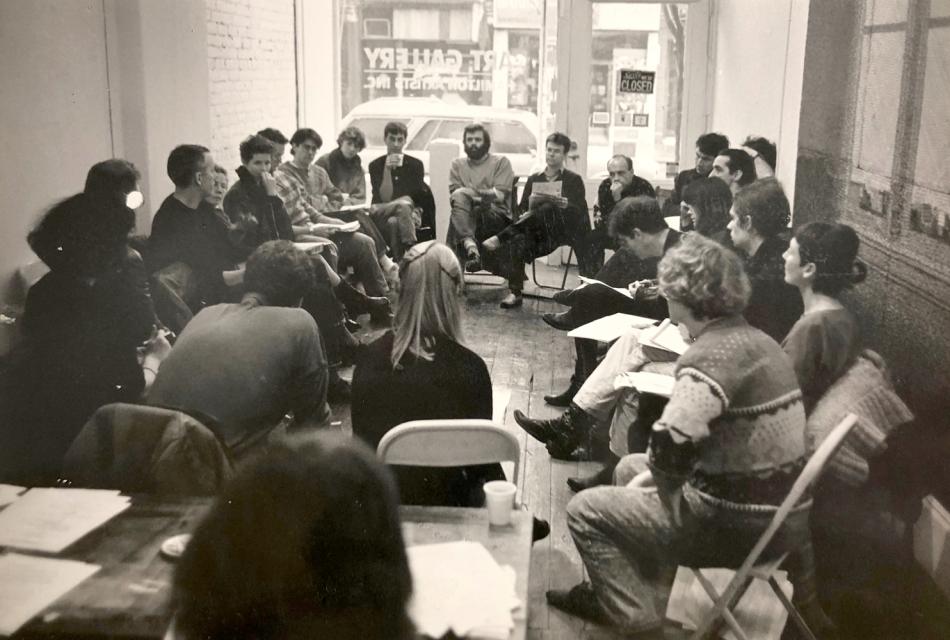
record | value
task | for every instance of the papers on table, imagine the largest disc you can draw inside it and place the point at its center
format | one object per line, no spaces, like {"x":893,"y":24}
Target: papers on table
{"x":9,"y":493}
{"x":29,"y":584}
{"x":609,"y":328}
{"x":666,"y":336}
{"x":658,"y":384}
{"x":52,"y":519}
{"x":459,"y":586}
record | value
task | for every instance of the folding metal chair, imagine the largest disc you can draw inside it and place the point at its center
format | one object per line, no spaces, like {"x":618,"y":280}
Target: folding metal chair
{"x":749,"y":570}
{"x":449,"y":443}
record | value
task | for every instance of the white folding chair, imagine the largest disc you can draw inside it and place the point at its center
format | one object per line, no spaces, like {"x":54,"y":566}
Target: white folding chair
{"x":449,"y":443}
{"x":749,"y":570}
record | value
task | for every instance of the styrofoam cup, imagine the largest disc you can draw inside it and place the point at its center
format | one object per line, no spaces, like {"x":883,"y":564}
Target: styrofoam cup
{"x":500,"y":500}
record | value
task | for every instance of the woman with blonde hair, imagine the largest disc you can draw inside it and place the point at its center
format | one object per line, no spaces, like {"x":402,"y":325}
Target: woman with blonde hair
{"x":420,"y":370}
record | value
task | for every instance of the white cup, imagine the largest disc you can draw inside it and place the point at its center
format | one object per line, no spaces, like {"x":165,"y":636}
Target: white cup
{"x":500,"y":500}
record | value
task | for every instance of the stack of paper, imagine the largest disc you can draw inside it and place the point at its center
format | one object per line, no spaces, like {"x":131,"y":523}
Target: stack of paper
{"x":52,"y":519}
{"x":609,"y":328}
{"x":459,"y":586}
{"x":9,"y":493}
{"x":28,"y":585}
{"x":646,"y":382}
{"x":666,"y":336}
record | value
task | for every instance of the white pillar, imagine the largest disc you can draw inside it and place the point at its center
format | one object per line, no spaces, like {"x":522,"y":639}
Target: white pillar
{"x":441,"y":154}
{"x":499,"y":70}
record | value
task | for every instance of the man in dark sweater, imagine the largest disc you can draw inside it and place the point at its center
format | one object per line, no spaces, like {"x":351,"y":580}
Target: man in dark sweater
{"x":621,"y":182}
{"x":189,"y":254}
{"x":248,"y":364}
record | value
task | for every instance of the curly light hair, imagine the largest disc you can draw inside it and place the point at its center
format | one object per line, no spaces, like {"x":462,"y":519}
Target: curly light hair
{"x":705,"y":277}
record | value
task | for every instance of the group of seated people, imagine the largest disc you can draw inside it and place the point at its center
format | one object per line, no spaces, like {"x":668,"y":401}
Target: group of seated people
{"x":252,"y":274}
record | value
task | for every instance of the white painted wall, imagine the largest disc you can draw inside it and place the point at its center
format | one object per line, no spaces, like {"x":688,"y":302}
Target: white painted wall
{"x":54,"y":114}
{"x":318,"y":74}
{"x":759,"y":55}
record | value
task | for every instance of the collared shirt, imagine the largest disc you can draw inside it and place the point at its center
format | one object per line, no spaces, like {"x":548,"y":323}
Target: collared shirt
{"x":306,"y":192}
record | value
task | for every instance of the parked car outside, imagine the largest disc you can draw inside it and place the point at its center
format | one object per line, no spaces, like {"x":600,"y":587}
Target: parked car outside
{"x":514,"y":133}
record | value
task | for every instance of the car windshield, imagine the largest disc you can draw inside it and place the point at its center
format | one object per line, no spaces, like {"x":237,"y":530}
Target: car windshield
{"x":511,"y":137}
{"x":372,"y":129}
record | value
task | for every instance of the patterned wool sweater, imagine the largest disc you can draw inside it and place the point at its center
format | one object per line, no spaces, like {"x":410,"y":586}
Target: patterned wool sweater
{"x":735,"y":424}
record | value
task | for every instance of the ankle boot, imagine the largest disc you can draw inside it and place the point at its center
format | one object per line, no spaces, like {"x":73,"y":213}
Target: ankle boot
{"x":564,"y":398}
{"x":561,"y":435}
{"x":603,"y":477}
{"x":357,"y":302}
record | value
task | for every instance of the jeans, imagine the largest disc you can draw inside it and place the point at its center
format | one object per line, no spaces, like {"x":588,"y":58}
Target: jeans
{"x":359,"y":251}
{"x":471,"y":221}
{"x":395,"y":221}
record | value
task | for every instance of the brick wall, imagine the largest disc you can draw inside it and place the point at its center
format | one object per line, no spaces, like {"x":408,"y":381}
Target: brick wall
{"x":252,"y":72}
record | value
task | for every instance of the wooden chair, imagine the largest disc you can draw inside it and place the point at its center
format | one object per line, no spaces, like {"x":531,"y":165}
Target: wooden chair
{"x":449,"y":443}
{"x":749,"y":569}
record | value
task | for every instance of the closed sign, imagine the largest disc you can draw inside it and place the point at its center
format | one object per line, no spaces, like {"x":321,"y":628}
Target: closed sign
{"x":636,"y":81}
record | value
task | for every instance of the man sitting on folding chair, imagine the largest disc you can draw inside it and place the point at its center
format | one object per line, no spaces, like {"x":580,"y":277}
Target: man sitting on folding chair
{"x":723,"y":456}
{"x":554,"y":210}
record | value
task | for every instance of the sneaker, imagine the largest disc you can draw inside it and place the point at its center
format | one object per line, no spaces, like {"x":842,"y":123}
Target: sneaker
{"x":512,"y":300}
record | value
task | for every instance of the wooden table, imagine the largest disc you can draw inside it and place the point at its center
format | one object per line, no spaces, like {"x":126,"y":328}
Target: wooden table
{"x":128,"y":596}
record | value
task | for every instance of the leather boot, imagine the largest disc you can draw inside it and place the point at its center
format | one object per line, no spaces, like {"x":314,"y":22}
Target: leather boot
{"x":357,"y":302}
{"x":561,"y":435}
{"x":603,"y":477}
{"x":564,"y":398}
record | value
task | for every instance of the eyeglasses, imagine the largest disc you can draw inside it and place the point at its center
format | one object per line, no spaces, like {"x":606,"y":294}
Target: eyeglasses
{"x":419,"y":250}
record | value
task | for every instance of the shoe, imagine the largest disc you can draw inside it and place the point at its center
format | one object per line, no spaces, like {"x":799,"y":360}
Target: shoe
{"x":560,"y":321}
{"x":352,"y":325}
{"x":604,"y":477}
{"x":560,"y":435}
{"x":580,"y":601}
{"x":540,"y":529}
{"x":512,"y":300}
{"x":563,"y":297}
{"x":564,"y":398}
{"x":473,"y":261}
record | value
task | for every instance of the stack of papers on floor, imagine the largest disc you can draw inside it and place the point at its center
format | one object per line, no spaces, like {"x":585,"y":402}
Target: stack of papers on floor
{"x":29,"y":584}
{"x":666,"y":336}
{"x":609,"y":328}
{"x":646,"y":382}
{"x":458,"y":586}
{"x":52,"y":519}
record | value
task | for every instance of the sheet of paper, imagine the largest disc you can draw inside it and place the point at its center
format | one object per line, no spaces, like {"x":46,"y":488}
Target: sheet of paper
{"x":29,"y":584}
{"x":459,"y":586}
{"x":621,"y":290}
{"x":353,"y":207}
{"x":546,"y":188}
{"x":349,"y":227}
{"x":609,"y":328}
{"x":646,"y":382}
{"x":666,"y":336}
{"x":9,"y":493}
{"x":52,"y":519}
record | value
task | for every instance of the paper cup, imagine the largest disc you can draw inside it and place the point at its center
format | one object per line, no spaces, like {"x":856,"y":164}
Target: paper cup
{"x":500,"y":500}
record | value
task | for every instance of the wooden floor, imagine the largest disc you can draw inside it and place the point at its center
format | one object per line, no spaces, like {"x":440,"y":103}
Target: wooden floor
{"x":527,"y":359}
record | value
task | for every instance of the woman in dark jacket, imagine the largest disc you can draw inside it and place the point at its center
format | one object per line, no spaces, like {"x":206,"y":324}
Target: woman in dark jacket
{"x":420,"y":370}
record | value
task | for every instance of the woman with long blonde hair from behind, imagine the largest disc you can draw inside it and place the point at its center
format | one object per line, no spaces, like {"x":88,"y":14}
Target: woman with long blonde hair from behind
{"x":421,"y":370}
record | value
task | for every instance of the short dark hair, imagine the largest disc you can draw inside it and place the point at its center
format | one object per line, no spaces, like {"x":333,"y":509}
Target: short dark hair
{"x":739,"y":160}
{"x":184,"y":162}
{"x":80,"y":236}
{"x":638,"y":212}
{"x":477,"y":126}
{"x":833,"y":249}
{"x":112,"y":179}
{"x":712,"y":198}
{"x":559,"y":139}
{"x":766,"y":149}
{"x":302,"y":135}
{"x":354,"y":135}
{"x":253,"y":145}
{"x":274,"y":135}
{"x":305,"y":541}
{"x":219,"y":169}
{"x":627,"y":160}
{"x":395,"y":128}
{"x":765,"y":203}
{"x":280,"y":272}
{"x":710,"y":144}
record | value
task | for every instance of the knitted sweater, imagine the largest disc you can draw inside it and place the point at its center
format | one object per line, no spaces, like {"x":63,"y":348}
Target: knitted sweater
{"x":735,"y":424}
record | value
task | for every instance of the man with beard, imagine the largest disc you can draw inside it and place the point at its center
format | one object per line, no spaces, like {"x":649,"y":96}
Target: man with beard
{"x":479,"y":186}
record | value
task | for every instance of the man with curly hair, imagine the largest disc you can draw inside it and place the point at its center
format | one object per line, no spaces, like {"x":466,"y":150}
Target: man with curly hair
{"x":249,"y":364}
